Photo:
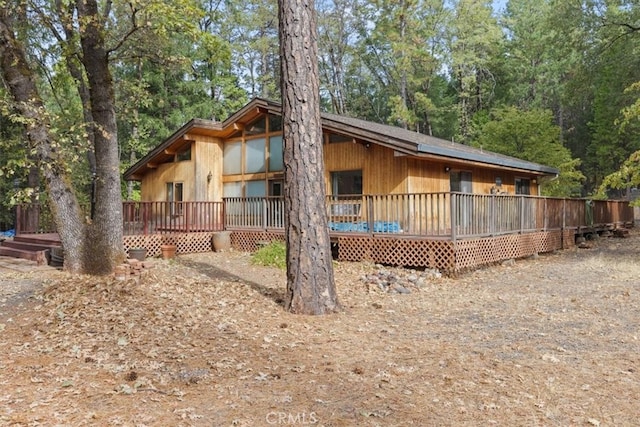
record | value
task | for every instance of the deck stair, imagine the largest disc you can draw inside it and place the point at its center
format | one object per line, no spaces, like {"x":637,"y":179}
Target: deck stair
{"x":34,"y":247}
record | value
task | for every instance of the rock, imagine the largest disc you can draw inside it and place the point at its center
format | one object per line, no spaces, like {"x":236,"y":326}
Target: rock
{"x":400,"y":289}
{"x":412,"y":278}
{"x":432,"y":274}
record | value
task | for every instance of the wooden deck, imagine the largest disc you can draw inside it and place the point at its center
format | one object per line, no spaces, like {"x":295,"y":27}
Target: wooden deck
{"x":446,"y":231}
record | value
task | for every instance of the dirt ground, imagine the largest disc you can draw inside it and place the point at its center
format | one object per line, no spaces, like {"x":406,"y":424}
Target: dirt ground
{"x":203,"y":341}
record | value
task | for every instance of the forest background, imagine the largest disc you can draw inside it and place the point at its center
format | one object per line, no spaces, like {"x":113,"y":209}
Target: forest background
{"x":553,"y":81}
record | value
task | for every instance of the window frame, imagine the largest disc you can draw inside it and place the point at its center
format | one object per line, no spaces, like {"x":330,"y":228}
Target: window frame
{"x":175,"y":197}
{"x":335,"y":185}
{"x":519,"y":185}
{"x":460,"y":181}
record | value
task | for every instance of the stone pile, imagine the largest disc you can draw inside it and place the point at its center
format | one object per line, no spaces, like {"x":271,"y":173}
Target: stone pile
{"x":399,"y":281}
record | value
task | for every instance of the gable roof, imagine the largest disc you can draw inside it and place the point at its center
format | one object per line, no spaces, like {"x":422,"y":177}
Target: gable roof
{"x":403,"y":141}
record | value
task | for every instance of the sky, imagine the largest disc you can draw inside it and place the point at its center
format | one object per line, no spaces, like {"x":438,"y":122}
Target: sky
{"x":499,"y":5}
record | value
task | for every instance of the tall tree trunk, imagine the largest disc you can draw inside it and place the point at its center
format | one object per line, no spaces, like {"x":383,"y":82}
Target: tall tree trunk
{"x":106,"y":229}
{"x":66,"y":13}
{"x":310,"y":281}
{"x":20,"y":81}
{"x":403,"y":69}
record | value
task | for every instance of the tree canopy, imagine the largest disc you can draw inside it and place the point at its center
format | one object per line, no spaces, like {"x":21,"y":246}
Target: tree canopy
{"x":453,"y":69}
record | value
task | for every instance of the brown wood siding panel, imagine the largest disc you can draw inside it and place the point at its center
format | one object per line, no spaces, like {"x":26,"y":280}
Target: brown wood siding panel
{"x":382,"y":172}
{"x":208,"y":153}
{"x":153,"y":187}
{"x":427,"y":176}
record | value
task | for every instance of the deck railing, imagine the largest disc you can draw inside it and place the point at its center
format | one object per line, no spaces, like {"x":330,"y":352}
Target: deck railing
{"x":441,"y":215}
{"x":172,"y":217}
{"x":454,"y":215}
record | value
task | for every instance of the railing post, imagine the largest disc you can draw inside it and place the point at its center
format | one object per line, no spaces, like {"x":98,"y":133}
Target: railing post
{"x":264,"y":214}
{"x":187,"y":215}
{"x":453,"y":215}
{"x":522,"y":214}
{"x":144,"y":217}
{"x":492,"y":215}
{"x":224,"y":218}
{"x":370,"y":219}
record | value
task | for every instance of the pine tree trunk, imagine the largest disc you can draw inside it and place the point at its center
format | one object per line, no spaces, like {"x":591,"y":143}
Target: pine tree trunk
{"x":310,"y":281}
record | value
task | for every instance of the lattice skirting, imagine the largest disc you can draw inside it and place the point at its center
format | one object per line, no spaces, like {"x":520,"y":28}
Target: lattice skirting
{"x":250,"y":241}
{"x":447,"y":256}
{"x":478,"y":252}
{"x":186,"y":243}
{"x":444,"y":255}
{"x":404,"y":252}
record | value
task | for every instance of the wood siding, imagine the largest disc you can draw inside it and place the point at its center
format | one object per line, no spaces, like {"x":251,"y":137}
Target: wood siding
{"x":431,"y":176}
{"x":382,"y":172}
{"x":208,"y":155}
{"x":154,"y":184}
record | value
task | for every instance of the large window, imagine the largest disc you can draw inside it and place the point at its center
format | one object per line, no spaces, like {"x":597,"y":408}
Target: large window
{"x":232,"y":162}
{"x":275,"y":123}
{"x":346,"y":182}
{"x":257,"y":127}
{"x":460,"y":182}
{"x":523,"y":186}
{"x":276,"y":162}
{"x":232,"y":189}
{"x":255,"y":189}
{"x":254,"y":156}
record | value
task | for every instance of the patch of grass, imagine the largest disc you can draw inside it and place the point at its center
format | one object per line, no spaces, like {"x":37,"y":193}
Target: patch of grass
{"x":273,"y":255}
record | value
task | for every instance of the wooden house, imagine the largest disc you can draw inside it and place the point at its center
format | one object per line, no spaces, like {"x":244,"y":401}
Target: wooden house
{"x":242,"y":157}
{"x":393,"y":196}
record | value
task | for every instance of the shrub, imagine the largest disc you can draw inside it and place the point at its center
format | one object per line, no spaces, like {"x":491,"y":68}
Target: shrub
{"x":274,"y":255}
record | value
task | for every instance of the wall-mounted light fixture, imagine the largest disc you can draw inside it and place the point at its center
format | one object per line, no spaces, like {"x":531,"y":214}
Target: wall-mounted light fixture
{"x":447,"y":168}
{"x":209,"y":177}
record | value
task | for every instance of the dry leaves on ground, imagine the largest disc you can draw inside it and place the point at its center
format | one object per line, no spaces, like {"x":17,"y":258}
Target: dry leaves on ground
{"x":204,"y":341}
